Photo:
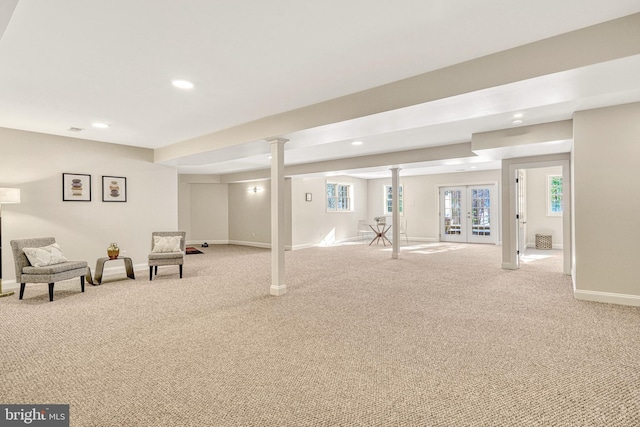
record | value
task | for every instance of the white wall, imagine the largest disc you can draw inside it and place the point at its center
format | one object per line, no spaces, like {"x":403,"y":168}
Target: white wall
{"x":209,"y":213}
{"x":35,"y":163}
{"x":606,"y":188}
{"x":421,"y":198}
{"x":248,"y":217}
{"x":537,"y":219}
{"x":203,"y":209}
{"x":250,"y":213}
{"x":312,"y":224}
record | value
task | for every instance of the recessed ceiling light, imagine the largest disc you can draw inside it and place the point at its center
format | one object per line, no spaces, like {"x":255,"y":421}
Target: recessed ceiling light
{"x":357,"y":143}
{"x":75,"y":129}
{"x":517,"y":122}
{"x":100,"y":125}
{"x":517,"y":116}
{"x":182,"y":84}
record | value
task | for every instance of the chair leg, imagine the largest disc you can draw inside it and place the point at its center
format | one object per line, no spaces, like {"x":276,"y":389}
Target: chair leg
{"x":82,"y":283}
{"x":51,"y":291}
{"x":180,"y":270}
{"x":150,"y":272}
{"x":155,"y":270}
{"x":22,"y":286}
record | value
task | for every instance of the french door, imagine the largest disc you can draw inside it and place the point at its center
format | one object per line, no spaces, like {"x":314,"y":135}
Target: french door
{"x":468,"y":214}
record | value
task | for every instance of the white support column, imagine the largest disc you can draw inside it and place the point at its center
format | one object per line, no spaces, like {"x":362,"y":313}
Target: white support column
{"x":277,"y":217}
{"x":395,"y":217}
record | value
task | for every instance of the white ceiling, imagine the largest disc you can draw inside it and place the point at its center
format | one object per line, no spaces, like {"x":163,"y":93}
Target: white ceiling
{"x":69,"y":63}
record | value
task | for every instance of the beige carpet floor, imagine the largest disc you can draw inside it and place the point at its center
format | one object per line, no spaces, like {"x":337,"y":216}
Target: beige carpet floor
{"x":440,"y":337}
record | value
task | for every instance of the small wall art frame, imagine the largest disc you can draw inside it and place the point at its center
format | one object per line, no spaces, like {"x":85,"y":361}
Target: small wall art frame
{"x":76,"y":187}
{"x":114,"y":189}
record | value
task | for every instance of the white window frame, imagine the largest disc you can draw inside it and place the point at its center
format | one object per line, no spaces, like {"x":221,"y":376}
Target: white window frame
{"x":349,"y":198}
{"x":549,"y":203}
{"x":386,"y":208}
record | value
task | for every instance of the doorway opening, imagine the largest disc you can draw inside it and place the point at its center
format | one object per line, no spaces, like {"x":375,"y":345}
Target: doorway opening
{"x":530,"y":212}
{"x":539,"y":196}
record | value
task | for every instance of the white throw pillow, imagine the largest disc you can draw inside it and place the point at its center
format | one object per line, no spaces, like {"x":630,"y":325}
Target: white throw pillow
{"x":166,"y":244}
{"x":47,"y":255}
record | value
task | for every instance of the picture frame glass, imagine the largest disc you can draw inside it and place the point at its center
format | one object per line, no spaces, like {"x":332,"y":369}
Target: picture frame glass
{"x":114,"y":189}
{"x":76,"y":187}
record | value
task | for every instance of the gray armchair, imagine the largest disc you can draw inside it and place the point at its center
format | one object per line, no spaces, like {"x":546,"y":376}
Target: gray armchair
{"x":26,"y":273}
{"x":166,"y":255}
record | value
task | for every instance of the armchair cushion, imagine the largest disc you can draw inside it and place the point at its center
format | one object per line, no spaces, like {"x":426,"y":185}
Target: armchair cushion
{"x":45,"y":256}
{"x":163,"y":244}
{"x":55,"y":268}
{"x":166,"y":255}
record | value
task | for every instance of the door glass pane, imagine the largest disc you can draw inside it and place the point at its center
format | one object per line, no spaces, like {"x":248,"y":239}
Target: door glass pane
{"x":452,"y":217}
{"x":481,"y":212}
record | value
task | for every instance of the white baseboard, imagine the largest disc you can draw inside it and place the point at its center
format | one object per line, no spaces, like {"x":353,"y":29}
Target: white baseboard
{"x":422,"y":239}
{"x":294,"y":247}
{"x":10,"y":285}
{"x":553,"y":245}
{"x":239,"y":243}
{"x":509,"y":266}
{"x":108,"y":272}
{"x":607,"y":297}
{"x":253,"y":244}
{"x":209,"y":242}
{"x":114,"y":271}
{"x":304,"y":246}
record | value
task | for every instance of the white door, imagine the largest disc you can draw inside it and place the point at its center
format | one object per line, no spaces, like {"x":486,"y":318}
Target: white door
{"x":468,"y":214}
{"x":521,"y":209}
{"x":452,"y":213}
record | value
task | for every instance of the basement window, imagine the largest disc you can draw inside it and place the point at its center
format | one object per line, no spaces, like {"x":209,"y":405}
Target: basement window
{"x":388,"y":200}
{"x":339,"y":197}
{"x":554,"y":195}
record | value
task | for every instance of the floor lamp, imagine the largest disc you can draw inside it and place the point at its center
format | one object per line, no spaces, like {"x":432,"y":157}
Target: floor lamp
{"x":7,"y":195}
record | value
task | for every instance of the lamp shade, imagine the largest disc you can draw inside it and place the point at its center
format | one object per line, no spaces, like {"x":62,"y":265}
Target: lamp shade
{"x":9,"y":195}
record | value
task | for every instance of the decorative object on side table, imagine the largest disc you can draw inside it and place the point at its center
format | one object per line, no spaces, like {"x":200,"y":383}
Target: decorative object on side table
{"x":380,"y":219}
{"x":113,"y":251}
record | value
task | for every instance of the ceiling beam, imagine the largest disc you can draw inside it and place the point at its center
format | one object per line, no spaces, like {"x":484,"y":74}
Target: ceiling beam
{"x":454,"y":151}
{"x":607,"y":41}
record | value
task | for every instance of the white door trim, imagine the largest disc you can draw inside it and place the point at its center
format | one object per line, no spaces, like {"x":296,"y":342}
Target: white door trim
{"x":508,"y":197}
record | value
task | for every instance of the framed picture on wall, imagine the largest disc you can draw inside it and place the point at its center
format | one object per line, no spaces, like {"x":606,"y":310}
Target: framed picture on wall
{"x":114,"y":189}
{"x":76,"y":187}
